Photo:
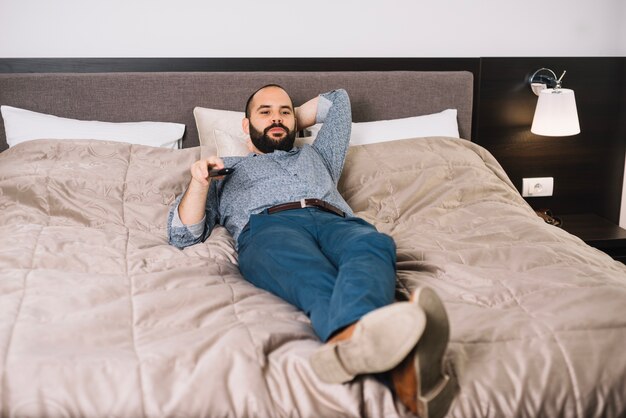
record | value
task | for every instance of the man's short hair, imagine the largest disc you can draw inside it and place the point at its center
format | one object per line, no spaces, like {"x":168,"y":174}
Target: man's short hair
{"x":258,"y":90}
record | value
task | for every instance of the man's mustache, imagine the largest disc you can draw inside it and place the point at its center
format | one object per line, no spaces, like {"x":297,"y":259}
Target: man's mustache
{"x":275,"y":125}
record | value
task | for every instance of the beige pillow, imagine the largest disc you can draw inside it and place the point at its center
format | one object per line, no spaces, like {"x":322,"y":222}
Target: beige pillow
{"x":221,"y":133}
{"x":209,"y":121}
{"x":227,"y":145}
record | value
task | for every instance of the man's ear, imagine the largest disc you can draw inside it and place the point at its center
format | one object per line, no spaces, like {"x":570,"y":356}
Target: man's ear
{"x":251,"y":146}
{"x":245,"y":125}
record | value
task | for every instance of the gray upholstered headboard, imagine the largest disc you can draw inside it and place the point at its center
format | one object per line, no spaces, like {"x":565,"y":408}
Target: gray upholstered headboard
{"x":171,"y":96}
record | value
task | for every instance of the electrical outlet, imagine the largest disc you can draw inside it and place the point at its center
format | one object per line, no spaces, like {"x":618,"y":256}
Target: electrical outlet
{"x":537,"y":186}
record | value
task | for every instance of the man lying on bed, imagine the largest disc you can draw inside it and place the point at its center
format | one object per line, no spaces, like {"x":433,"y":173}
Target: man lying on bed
{"x":297,"y":238}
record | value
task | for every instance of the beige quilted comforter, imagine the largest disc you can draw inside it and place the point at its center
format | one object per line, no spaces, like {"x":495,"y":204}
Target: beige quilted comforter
{"x":99,"y":316}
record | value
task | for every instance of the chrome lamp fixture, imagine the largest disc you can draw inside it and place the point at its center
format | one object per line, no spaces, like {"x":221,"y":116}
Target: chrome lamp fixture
{"x":555,"y":114}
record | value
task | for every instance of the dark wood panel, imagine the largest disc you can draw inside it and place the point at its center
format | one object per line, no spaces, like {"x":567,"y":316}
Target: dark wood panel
{"x":587,"y":168}
{"x":598,"y":232}
{"x":595,"y":230}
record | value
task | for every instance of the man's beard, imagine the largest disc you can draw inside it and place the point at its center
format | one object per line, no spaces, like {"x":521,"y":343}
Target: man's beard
{"x":265,"y":144}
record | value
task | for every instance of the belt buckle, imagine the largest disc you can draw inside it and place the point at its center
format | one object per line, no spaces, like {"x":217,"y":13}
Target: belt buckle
{"x":303,"y":203}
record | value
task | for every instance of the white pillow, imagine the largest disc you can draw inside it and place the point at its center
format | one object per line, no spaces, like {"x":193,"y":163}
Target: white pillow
{"x":24,"y":125}
{"x":437,"y":124}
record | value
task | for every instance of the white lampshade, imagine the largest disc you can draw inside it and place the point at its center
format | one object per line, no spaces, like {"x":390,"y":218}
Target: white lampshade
{"x":556,"y":113}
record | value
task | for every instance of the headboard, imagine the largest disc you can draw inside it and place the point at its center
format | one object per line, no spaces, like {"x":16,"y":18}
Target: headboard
{"x":171,"y":96}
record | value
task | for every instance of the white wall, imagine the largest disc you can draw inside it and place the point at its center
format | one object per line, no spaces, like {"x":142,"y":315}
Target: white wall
{"x":328,"y":28}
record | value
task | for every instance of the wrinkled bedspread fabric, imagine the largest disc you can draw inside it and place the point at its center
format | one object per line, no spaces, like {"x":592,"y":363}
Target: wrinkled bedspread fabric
{"x":538,"y":318}
{"x":99,"y":316}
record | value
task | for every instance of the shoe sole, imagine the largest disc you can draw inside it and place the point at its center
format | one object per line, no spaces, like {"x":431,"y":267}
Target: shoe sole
{"x":381,"y":340}
{"x":436,"y":388}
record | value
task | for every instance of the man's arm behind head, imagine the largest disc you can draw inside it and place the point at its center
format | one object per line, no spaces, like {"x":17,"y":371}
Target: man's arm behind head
{"x":306,"y":114}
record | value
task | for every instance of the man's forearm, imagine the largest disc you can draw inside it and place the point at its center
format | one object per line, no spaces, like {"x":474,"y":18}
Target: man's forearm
{"x":193,"y":204}
{"x":192,"y":207}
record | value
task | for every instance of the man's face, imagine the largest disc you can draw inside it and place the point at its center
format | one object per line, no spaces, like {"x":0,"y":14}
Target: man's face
{"x":272,"y":123}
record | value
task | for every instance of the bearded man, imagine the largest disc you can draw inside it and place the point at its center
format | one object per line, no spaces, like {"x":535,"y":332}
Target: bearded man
{"x":297,"y":238}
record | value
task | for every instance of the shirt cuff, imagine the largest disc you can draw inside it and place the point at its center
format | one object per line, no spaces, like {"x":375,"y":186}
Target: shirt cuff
{"x":323,"y":106}
{"x":196,"y":229}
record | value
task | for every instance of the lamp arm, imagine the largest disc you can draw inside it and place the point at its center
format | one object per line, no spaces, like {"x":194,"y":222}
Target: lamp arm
{"x":558,"y":82}
{"x":542,"y":79}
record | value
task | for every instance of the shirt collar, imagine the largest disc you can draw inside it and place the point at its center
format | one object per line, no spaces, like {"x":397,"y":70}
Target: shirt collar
{"x":293,"y":150}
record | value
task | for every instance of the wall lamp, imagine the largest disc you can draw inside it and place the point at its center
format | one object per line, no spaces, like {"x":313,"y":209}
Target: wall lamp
{"x":555,"y":114}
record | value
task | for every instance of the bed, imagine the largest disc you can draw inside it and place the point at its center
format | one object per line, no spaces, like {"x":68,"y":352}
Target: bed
{"x":99,"y":316}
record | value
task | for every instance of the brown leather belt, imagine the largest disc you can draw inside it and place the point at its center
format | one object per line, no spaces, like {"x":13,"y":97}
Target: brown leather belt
{"x":306,"y":203}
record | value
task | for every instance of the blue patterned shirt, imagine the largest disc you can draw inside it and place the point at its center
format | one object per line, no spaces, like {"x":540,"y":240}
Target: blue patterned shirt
{"x":261,"y":181}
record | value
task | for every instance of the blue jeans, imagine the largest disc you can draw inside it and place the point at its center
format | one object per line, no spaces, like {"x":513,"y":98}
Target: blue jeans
{"x":334,"y":269}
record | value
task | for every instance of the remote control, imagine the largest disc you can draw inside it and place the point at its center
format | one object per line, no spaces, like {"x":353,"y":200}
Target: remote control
{"x":222,"y":172}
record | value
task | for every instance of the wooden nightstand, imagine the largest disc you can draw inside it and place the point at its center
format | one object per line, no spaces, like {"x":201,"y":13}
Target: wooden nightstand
{"x":597,"y":232}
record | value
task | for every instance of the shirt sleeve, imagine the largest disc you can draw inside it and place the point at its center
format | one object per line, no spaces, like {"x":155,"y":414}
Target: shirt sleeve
{"x":335,"y":114}
{"x":181,"y":235}
{"x":196,"y":230}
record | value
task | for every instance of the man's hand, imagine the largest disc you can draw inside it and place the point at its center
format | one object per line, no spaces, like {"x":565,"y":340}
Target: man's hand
{"x":306,"y":114}
{"x":200,"y":170}
{"x":193,"y":204}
